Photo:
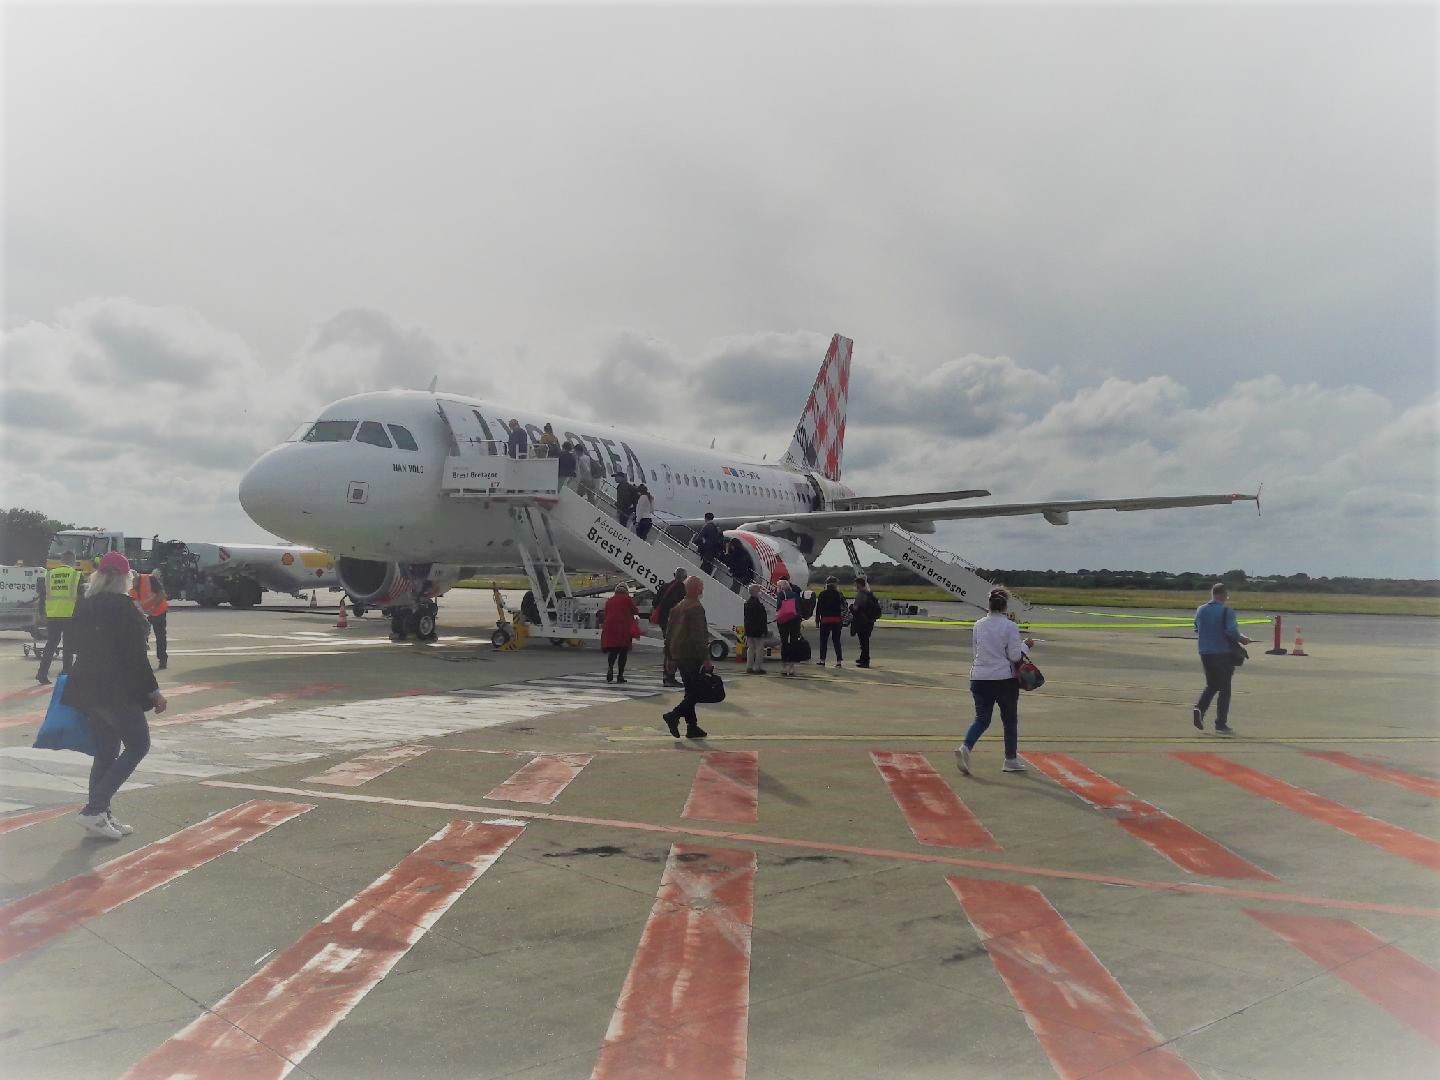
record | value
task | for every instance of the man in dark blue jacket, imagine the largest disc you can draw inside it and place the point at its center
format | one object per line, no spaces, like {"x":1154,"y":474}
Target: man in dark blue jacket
{"x":1219,"y":634}
{"x":709,"y":543}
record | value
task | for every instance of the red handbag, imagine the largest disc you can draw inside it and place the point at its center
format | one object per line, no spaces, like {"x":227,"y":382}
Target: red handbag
{"x":635,"y":630}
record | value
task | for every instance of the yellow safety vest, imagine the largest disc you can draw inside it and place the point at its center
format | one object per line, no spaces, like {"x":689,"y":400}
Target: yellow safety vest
{"x":150,"y":600}
{"x":62,"y":588}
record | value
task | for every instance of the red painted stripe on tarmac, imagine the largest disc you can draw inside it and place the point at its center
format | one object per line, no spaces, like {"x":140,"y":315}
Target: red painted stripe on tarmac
{"x":1401,"y":985}
{"x":21,"y":719}
{"x":1185,"y":847}
{"x":263,"y":1028}
{"x":29,"y":691}
{"x":48,"y":913}
{"x":540,"y":780}
{"x":685,"y":1008}
{"x":232,"y":708}
{"x":1083,"y":1018}
{"x":366,"y":767}
{"x":1399,"y":777}
{"x":927,"y":857}
{"x":726,"y":788}
{"x":33,"y":817}
{"x":1382,"y":834}
{"x":933,"y":811}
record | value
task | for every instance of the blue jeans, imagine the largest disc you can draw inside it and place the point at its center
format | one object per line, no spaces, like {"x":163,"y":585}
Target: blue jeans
{"x":112,"y":768}
{"x":987,"y":694}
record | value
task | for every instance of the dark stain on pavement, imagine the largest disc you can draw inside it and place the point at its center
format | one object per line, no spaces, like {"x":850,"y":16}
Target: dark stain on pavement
{"x":604,"y":851}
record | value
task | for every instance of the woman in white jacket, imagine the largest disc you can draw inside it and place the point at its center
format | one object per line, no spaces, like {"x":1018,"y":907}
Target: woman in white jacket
{"x":998,"y":649}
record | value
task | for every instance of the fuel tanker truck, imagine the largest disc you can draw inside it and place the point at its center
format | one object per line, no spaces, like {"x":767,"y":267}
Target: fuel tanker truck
{"x":209,"y":574}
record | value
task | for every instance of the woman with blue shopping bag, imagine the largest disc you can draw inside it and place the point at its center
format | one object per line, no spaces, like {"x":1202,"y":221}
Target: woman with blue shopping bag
{"x":113,"y":685}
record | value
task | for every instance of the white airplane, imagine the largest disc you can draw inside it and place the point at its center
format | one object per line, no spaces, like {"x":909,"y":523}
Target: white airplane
{"x":413,"y":490}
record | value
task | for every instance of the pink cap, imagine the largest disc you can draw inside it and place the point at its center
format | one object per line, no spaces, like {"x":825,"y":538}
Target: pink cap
{"x":112,"y":562}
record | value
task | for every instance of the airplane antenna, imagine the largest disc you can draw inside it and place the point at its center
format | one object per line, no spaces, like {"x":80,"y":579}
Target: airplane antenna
{"x":433,"y":381}
{"x":712,"y":444}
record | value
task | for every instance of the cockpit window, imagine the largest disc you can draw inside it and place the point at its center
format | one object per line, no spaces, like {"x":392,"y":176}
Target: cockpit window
{"x":300,"y":431}
{"x":331,"y":431}
{"x":373,"y":433}
{"x":403,"y":439}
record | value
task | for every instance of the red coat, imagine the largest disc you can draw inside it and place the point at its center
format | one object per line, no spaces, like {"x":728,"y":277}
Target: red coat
{"x":617,"y":631}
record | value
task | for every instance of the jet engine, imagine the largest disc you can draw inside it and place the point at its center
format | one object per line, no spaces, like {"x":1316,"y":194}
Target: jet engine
{"x":386,"y":585}
{"x":773,"y":558}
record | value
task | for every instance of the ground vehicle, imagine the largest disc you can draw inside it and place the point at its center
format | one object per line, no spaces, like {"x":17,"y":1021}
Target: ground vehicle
{"x":209,"y":574}
{"x":20,"y":598}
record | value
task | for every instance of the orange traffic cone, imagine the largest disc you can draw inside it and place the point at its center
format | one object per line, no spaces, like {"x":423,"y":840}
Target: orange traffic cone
{"x":341,"y":623}
{"x":313,"y":604}
{"x":1299,"y":649}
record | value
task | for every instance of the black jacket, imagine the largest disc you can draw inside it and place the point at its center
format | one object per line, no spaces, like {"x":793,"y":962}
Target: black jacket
{"x":757,"y":619}
{"x":830,"y":604}
{"x":865,"y":611}
{"x":112,"y":668}
{"x":710,"y":543}
{"x":670,"y":594}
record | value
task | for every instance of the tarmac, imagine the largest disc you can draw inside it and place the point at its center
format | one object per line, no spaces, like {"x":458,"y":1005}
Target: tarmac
{"x":356,"y":859}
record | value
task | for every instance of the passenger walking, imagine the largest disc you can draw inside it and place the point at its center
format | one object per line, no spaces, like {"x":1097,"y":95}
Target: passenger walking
{"x":864,"y":614}
{"x":625,"y":496}
{"x":149,"y":593}
{"x":789,"y":625}
{"x":112,"y":684}
{"x":830,"y":617}
{"x":566,"y":467}
{"x":547,"y":445}
{"x":709,"y":543}
{"x":1219,"y":636}
{"x":644,"y":512}
{"x":669,"y":594}
{"x":518,"y":445}
{"x":688,"y":639}
{"x":618,"y":631}
{"x":737,"y":561}
{"x":62,"y":589}
{"x":757,"y":630}
{"x":998,"y":648}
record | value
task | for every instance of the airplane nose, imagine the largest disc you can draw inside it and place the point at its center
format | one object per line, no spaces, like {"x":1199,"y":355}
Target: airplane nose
{"x":268,"y":493}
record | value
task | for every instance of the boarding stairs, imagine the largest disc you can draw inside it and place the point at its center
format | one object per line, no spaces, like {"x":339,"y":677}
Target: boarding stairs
{"x":952,"y":573}
{"x":547,"y":514}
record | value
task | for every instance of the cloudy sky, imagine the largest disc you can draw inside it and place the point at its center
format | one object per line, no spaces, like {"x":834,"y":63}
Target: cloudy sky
{"x":1083,"y":251}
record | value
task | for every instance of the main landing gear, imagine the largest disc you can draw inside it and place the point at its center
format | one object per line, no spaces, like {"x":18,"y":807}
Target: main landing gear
{"x":418,"y":622}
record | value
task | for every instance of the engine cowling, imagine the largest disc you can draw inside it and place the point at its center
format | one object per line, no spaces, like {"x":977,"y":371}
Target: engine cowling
{"x":389,"y":584}
{"x":773,"y":558}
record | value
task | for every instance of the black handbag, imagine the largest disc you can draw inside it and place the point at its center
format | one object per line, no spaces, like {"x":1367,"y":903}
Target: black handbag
{"x":795,"y":650}
{"x":710,"y":689}
{"x":1238,"y":655}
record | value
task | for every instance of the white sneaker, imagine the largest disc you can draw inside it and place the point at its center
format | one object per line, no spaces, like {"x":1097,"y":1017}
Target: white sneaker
{"x":120,"y":826}
{"x":99,"y":825}
{"x":839,"y":664}
{"x":819,"y":663}
{"x":1013,"y":764}
{"x":962,"y":758}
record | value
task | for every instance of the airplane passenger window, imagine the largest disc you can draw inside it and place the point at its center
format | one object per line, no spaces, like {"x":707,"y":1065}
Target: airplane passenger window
{"x":373,"y":433}
{"x":331,"y":431}
{"x":403,"y":439}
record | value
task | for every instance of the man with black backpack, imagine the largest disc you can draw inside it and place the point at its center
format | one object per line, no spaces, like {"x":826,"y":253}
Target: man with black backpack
{"x":864,"y":614}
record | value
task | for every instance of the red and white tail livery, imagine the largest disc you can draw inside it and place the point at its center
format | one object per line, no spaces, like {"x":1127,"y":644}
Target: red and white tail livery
{"x":819,"y":441}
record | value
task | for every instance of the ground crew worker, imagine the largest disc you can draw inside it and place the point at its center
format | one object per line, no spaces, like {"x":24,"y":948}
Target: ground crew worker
{"x":149,"y":593}
{"x":62,"y":589}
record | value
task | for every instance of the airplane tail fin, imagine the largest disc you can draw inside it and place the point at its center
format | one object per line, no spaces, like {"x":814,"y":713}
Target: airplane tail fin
{"x":819,"y":440}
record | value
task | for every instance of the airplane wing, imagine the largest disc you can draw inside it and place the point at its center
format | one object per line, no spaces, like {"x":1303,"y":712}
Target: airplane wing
{"x":867,"y":502}
{"x":1056,"y":511}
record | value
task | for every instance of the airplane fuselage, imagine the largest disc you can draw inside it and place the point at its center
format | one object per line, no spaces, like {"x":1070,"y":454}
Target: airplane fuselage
{"x":350,"y":484}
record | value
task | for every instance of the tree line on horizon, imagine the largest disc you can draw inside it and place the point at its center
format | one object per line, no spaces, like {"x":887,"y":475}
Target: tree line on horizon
{"x":888,"y":573}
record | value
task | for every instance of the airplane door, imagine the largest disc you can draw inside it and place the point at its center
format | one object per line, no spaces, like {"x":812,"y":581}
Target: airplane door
{"x":472,"y":434}
{"x":669,"y":481}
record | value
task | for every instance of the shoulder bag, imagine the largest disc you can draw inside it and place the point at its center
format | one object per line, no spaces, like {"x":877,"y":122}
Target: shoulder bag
{"x":1028,"y":674}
